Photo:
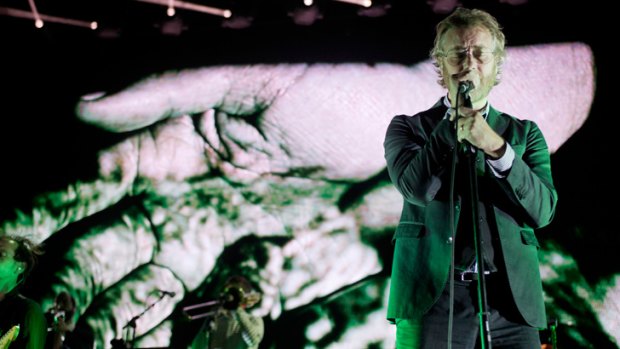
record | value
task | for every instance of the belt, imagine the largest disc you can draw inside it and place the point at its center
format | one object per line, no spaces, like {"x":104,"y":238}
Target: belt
{"x":468,"y":276}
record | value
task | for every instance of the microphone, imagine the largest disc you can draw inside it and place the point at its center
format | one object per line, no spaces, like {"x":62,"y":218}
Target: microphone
{"x":167,"y":293}
{"x":465,"y":87}
{"x":463,"y":93}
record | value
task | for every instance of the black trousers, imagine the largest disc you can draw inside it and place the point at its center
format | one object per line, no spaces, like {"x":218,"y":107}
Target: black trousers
{"x":508,"y":329}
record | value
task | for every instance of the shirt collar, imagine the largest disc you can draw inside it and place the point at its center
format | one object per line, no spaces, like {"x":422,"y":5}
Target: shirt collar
{"x":446,"y":102}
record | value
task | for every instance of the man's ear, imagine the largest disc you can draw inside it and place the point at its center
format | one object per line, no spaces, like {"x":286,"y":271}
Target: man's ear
{"x":20,"y":271}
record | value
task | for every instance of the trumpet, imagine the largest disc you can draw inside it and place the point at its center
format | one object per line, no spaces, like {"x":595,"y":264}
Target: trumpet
{"x":230,"y":299}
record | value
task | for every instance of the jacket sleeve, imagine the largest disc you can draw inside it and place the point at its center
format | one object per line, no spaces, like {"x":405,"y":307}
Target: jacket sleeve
{"x":417,"y":156}
{"x":36,"y":327}
{"x":529,"y":182}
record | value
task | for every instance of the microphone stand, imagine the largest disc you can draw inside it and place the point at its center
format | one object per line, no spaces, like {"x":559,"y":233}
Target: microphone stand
{"x":131,"y":328}
{"x":470,"y":156}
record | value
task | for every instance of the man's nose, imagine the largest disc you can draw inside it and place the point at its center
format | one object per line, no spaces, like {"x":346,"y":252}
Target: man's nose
{"x":468,"y":59}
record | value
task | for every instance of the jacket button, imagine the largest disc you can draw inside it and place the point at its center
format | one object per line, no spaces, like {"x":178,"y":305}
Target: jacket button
{"x":449,"y":241}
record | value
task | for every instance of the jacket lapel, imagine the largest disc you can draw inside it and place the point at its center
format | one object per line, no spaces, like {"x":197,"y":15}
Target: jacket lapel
{"x":497,"y":123}
{"x":480,"y":163}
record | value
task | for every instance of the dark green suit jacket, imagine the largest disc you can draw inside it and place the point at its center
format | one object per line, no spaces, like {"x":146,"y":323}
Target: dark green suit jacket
{"x":418,"y":154}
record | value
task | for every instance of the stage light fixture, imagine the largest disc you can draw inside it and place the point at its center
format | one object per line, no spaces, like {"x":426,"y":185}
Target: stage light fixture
{"x":41,"y":19}
{"x":38,"y":22}
{"x":170,"y":12}
{"x":190,"y":6}
{"x":363,"y":3}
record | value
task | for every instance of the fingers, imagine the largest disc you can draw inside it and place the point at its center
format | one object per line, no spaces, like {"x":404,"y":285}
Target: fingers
{"x":252,"y":130}
{"x":467,"y":122}
{"x":562,"y":81}
{"x":125,"y":304}
{"x":325,"y":257}
{"x":272,"y":118}
{"x":201,"y":220}
{"x":53,"y":211}
{"x":461,"y":133}
{"x":103,"y":256}
{"x":236,"y":90}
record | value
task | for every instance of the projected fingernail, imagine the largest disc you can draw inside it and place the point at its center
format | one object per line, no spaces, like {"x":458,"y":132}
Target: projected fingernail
{"x":93,"y":96}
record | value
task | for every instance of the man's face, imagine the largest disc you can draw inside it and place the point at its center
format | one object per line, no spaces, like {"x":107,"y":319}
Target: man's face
{"x":469,"y":54}
{"x":9,"y":267}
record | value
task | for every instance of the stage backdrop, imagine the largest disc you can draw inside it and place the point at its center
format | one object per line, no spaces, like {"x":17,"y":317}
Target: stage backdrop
{"x":153,"y":166}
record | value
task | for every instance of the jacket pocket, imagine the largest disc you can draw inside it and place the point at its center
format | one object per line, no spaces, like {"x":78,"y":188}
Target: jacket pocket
{"x":409,"y":231}
{"x":529,"y":238}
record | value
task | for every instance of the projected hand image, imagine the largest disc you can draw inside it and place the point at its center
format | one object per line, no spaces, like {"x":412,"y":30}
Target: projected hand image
{"x":217,"y":155}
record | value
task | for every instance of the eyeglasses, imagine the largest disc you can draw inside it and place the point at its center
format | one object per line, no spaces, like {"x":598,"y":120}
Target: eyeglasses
{"x":456,"y":57}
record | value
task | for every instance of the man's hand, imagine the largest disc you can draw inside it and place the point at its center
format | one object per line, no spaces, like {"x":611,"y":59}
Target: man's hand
{"x":473,"y":128}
